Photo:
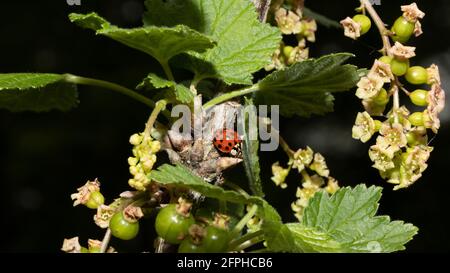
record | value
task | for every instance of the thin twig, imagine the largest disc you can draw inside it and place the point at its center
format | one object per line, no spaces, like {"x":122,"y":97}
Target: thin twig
{"x":105,"y":241}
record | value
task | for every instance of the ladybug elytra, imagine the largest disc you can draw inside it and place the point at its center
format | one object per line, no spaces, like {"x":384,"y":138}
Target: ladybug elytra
{"x":227,"y":141}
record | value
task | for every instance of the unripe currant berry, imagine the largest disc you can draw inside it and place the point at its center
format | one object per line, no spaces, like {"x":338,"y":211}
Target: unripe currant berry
{"x":417,"y":75}
{"x":364,"y":22}
{"x":382,"y":98}
{"x":403,"y":29}
{"x":287,"y":50}
{"x":416,"y":119}
{"x":385,"y":59}
{"x":399,"y":67}
{"x":122,"y":228}
{"x":172,"y":226}
{"x":95,"y":200}
{"x":187,"y":246}
{"x":419,"y":97}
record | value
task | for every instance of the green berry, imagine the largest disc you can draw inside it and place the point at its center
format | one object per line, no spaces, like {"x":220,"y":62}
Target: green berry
{"x":171,"y":225}
{"x":121,"y":228}
{"x":399,"y":67}
{"x":403,"y":29}
{"x":95,"y":200}
{"x":417,"y":75}
{"x":419,"y":97}
{"x":364,"y":21}
{"x":416,"y":119}
{"x":382,"y":98}
{"x":385,"y":59}
{"x":187,"y":246}
{"x":216,"y":239}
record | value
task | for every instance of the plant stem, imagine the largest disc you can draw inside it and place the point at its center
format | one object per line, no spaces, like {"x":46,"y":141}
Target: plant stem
{"x":234,"y":244}
{"x":160,"y":106}
{"x":250,"y":243}
{"x":380,"y":25}
{"x":236,"y":188}
{"x":230,"y":95}
{"x":167,"y":70}
{"x":111,"y":86}
{"x":105,"y":241}
{"x":386,"y":51}
{"x":286,"y":147}
{"x":239,"y":226}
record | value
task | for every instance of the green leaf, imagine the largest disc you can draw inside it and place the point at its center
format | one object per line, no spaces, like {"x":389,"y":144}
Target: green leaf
{"x":36,"y":92}
{"x":181,"y":176}
{"x":311,"y":240}
{"x":160,"y":42}
{"x":321,"y":19}
{"x":250,"y":148}
{"x":304,"y":88}
{"x":153,"y":81}
{"x":244,"y":45}
{"x":348,"y":217}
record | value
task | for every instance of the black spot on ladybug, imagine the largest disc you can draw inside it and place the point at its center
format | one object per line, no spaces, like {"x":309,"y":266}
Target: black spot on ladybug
{"x":219,"y":146}
{"x":229,"y":144}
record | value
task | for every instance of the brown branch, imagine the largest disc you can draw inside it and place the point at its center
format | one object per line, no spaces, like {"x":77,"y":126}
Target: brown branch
{"x":262,"y":6}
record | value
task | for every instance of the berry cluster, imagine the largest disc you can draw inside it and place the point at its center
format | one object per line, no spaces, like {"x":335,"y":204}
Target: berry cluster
{"x":291,"y":22}
{"x":401,"y":150}
{"x":306,"y":162}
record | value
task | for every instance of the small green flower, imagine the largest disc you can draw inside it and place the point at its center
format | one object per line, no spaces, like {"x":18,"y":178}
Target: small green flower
{"x":279,"y":175}
{"x":383,"y":160}
{"x":364,"y":127}
{"x":302,"y":158}
{"x":391,"y":139}
{"x":320,"y":166}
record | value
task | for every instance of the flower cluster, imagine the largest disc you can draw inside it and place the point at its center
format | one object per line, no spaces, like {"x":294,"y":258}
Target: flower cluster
{"x":315,"y":177}
{"x":401,"y":149}
{"x":292,"y":22}
{"x":144,"y":157}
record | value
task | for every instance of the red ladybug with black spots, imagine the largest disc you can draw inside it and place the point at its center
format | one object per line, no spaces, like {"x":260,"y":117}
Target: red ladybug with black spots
{"x":227,"y":141}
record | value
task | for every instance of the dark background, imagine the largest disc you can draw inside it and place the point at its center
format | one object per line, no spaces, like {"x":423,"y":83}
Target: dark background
{"x":45,"y":157}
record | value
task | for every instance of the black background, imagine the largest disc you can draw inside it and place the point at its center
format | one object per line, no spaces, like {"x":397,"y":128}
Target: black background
{"x":44,"y":157}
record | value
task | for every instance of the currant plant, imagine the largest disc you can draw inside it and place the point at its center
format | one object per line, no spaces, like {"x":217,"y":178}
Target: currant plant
{"x":193,"y":206}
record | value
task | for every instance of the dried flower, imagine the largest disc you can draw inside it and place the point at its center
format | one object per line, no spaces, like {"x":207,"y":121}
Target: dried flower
{"x":71,"y":245}
{"x":104,"y":214}
{"x":364,"y":127}
{"x":277,"y":61}
{"x":436,"y":99}
{"x":299,"y":53}
{"x":288,"y":21}
{"x":132,"y":213}
{"x":309,"y":28}
{"x":84,"y":192}
{"x":412,"y":13}
{"x":369,"y":87}
{"x":381,"y":70}
{"x":418,"y":29}
{"x":402,"y":52}
{"x":351,"y":28}
{"x":433,"y":75}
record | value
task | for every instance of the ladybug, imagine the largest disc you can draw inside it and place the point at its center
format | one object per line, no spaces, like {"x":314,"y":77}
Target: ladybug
{"x":227,"y":141}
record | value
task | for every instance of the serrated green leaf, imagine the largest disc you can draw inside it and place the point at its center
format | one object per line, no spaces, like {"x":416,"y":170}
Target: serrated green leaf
{"x":311,"y":240}
{"x":304,"y":88}
{"x":181,"y":176}
{"x":244,"y":45}
{"x":153,"y":81}
{"x":348,"y":218}
{"x":23,"y":81}
{"x":250,"y":148}
{"x":321,"y":19}
{"x":36,"y":92}
{"x":160,"y":42}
